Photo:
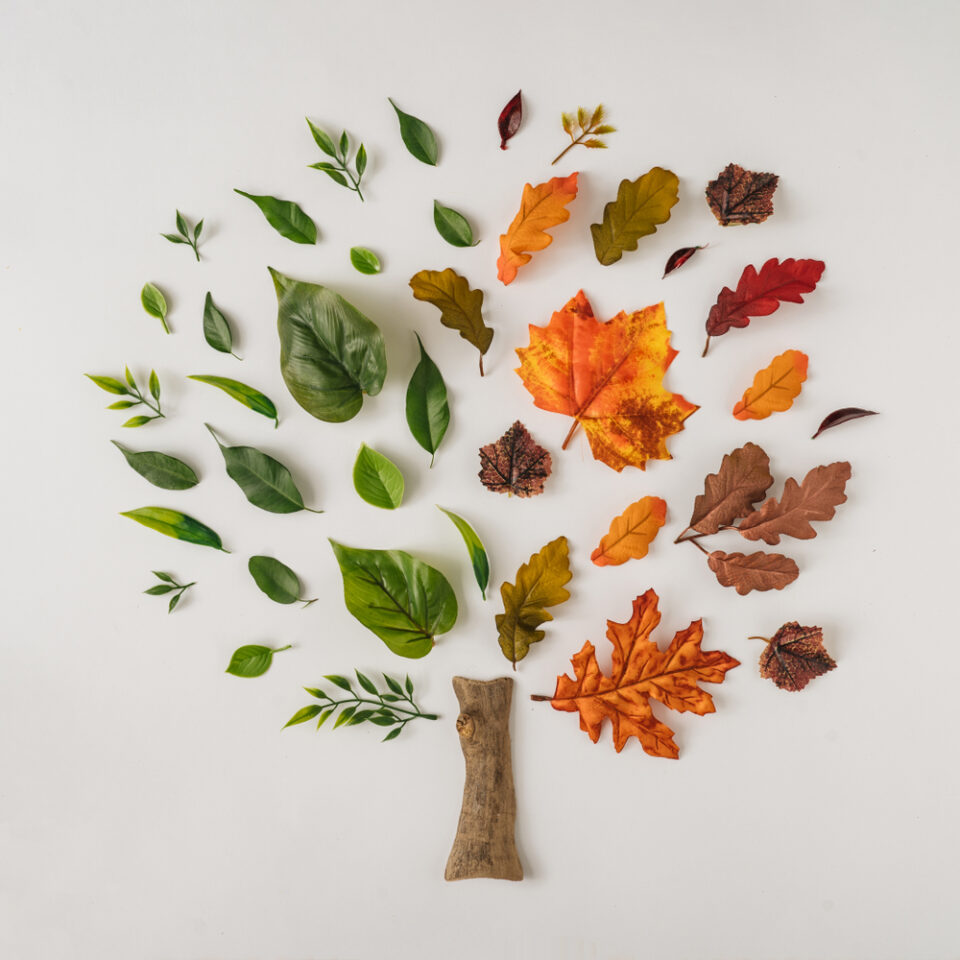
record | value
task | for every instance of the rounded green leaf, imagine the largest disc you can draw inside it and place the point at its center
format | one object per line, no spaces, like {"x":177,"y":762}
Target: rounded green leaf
{"x":285,"y":217}
{"x":428,"y":414}
{"x":248,"y":396}
{"x":417,"y":137}
{"x":216,"y":328}
{"x":377,"y":479}
{"x":453,"y":226}
{"x":173,"y":523}
{"x":154,"y":302}
{"x":160,"y":469}
{"x":252,"y":660}
{"x":364,"y":260}
{"x":275,"y":579}
{"x":478,"y":555}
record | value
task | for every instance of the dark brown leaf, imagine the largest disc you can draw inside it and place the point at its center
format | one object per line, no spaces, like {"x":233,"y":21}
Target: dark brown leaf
{"x":679,"y":257}
{"x":741,"y":196}
{"x":509,"y":121}
{"x":842,"y":416}
{"x":794,"y":656}
{"x":515,"y":464}
{"x":756,"y":571}
{"x":743,"y":478}
{"x":814,"y":499}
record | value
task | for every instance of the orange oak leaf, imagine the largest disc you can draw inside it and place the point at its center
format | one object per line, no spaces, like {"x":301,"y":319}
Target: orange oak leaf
{"x":794,"y":655}
{"x":755,"y":571}
{"x":609,"y":378}
{"x":631,"y":533}
{"x":774,"y":388}
{"x":641,"y":671}
{"x":541,"y":207}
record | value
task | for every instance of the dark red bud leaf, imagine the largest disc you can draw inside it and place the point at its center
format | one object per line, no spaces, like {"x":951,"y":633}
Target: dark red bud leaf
{"x":509,"y":122}
{"x":679,"y":258}
{"x":842,"y":416}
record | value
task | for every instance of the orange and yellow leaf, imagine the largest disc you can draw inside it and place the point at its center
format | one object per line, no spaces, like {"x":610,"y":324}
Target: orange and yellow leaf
{"x":774,"y":388}
{"x":631,"y":533}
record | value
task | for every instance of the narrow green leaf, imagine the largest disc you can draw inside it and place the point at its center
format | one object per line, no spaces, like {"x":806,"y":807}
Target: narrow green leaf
{"x":160,"y":469}
{"x":377,"y":479}
{"x":360,"y":717}
{"x":303,"y":714}
{"x":110,"y":384}
{"x":478,"y":555}
{"x":342,"y":682}
{"x":216,"y":328}
{"x":197,"y":230}
{"x":275,"y":579}
{"x":155,"y":303}
{"x":285,"y":217}
{"x":174,"y":600}
{"x":174,"y":238}
{"x":331,"y":172}
{"x":137,"y":421}
{"x":252,"y":660}
{"x":316,"y":692}
{"x":393,"y":734}
{"x":417,"y":137}
{"x":344,"y":145}
{"x":122,"y":405}
{"x":154,"y":384}
{"x":129,"y":377}
{"x":366,"y":683}
{"x":182,"y":225}
{"x":428,"y":414}
{"x":173,"y":523}
{"x":322,"y":139}
{"x":360,"y":161}
{"x":165,"y":577}
{"x":159,"y":589}
{"x":384,"y":720}
{"x":248,"y":396}
{"x":392,"y":684}
{"x":364,"y":260}
{"x":453,"y":226}
{"x":344,"y":717}
{"x":408,"y":684}
{"x":324,"y":716}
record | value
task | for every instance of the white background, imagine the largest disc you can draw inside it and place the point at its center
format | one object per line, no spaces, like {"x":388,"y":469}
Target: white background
{"x":150,"y":806}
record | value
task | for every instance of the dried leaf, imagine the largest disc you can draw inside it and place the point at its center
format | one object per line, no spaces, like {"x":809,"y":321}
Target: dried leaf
{"x":774,"y":388}
{"x":842,"y":416}
{"x":515,"y":464}
{"x":760,"y":294}
{"x":743,"y":478}
{"x":631,"y":533}
{"x":608,"y":377}
{"x":509,"y":121}
{"x":540,"y":584}
{"x":679,"y":257}
{"x":756,"y":571}
{"x":741,"y":196}
{"x":794,"y":655}
{"x":640,"y":206}
{"x":641,"y":672}
{"x":814,"y":499}
{"x":541,"y":208}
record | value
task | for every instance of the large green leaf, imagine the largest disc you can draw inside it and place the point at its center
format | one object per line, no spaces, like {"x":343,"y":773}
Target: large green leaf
{"x":478,"y":555}
{"x":377,"y":479}
{"x":285,"y":217}
{"x":160,"y":469}
{"x":330,"y":353}
{"x":173,"y":523}
{"x":403,"y":600}
{"x":428,"y":414}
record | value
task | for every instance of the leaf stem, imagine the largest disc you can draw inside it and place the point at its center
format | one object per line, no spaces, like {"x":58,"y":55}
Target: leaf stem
{"x":306,"y":603}
{"x":568,"y":148}
{"x":481,"y":364}
{"x":706,"y":346}
{"x":540,"y":697}
{"x":698,"y":545}
{"x":569,"y":437}
{"x":764,"y":639}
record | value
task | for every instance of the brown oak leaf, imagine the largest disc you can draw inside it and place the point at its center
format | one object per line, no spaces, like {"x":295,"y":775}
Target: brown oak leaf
{"x":755,"y":571}
{"x":794,"y":655}
{"x":741,"y":196}
{"x":515,"y":464}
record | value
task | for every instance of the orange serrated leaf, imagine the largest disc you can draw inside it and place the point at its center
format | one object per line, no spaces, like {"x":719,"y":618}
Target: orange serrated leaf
{"x":774,"y":388}
{"x":541,"y":208}
{"x":631,"y":533}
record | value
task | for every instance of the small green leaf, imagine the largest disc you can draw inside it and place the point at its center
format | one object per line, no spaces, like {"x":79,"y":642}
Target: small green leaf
{"x":137,"y":421}
{"x":316,"y":692}
{"x":360,"y":161}
{"x":165,"y":577}
{"x":129,"y":377}
{"x":197,"y":230}
{"x":216,"y":328}
{"x":252,"y":660}
{"x":393,"y":685}
{"x":392,"y":734}
{"x":285,"y":217}
{"x":342,"y":682}
{"x":478,"y":555}
{"x":366,"y":683}
{"x":344,"y":144}
{"x":417,"y":137}
{"x":159,"y":589}
{"x":154,"y":384}
{"x":452,"y":226}
{"x":344,"y":717}
{"x":155,"y":303}
{"x":322,"y":139}
{"x":174,"y":238}
{"x":360,"y":717}
{"x":182,"y":225}
{"x":174,"y":600}
{"x":275,"y":579}
{"x":160,"y":469}
{"x":173,"y":523}
{"x":377,"y":479}
{"x":122,"y":405}
{"x":324,"y":716}
{"x":110,"y":384}
{"x":248,"y":396}
{"x":303,"y":714}
{"x":428,"y":414}
{"x":331,"y":172}
{"x":364,"y":260}
{"x":408,"y":684}
{"x":384,"y":720}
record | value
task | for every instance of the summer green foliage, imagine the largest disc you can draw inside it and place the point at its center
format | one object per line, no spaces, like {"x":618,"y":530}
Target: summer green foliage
{"x":185,"y":234}
{"x":169,"y":585}
{"x":377,"y":479}
{"x":339,"y":170}
{"x":428,"y":413}
{"x":285,"y":216}
{"x":277,"y":580}
{"x":173,"y":523}
{"x":475,"y":548}
{"x":364,"y":260}
{"x":253,"y":399}
{"x":160,"y":469}
{"x":252,"y":660}
{"x":417,"y":136}
{"x":155,"y":303}
{"x":216,"y":327}
{"x":128,"y":388}
{"x":452,"y":226}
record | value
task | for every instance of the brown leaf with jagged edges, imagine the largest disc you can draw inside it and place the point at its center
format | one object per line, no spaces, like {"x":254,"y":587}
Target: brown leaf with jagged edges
{"x":516,"y":463}
{"x":631,"y":533}
{"x":814,"y":499}
{"x":755,"y":571}
{"x":794,"y":655}
{"x":640,"y":672}
{"x":741,"y":196}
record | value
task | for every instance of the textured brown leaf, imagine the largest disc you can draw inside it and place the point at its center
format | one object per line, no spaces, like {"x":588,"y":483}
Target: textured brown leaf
{"x":842,"y":416}
{"x":794,"y":655}
{"x":741,"y":196}
{"x":756,"y":571}
{"x":743,"y":478}
{"x":814,"y":499}
{"x":515,"y":463}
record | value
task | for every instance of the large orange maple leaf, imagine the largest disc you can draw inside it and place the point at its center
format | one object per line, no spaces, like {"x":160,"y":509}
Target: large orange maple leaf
{"x":609,"y":378}
{"x":641,"y":671}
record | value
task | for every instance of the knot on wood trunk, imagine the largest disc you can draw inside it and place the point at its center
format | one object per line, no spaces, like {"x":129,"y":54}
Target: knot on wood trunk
{"x":466,"y":726}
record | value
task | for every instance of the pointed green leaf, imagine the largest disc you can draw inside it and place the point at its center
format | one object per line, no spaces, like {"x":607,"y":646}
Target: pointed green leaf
{"x":137,"y":421}
{"x":452,"y":226}
{"x":408,"y":684}
{"x":197,"y":230}
{"x":160,"y":469}
{"x":174,"y":600}
{"x":417,"y":137}
{"x":182,"y":224}
{"x":360,"y":161}
{"x":322,"y":139}
{"x":252,"y":660}
{"x":364,"y":260}
{"x":393,"y":734}
{"x":324,"y":716}
{"x":159,"y":589}
{"x":478,"y":555}
{"x":392,"y":684}
{"x":248,"y":396}
{"x":122,"y":405}
{"x":129,"y":377}
{"x":285,"y":217}
{"x":377,"y":479}
{"x":331,"y":172}
{"x":173,"y":523}
{"x":303,"y":714}
{"x":174,"y":238}
{"x":216,"y":328}
{"x":153,"y":300}
{"x":110,"y":384}
{"x":275,"y":579}
{"x":366,"y":683}
{"x":428,"y":414}
{"x":344,"y":717}
{"x":344,"y":145}
{"x":165,"y":577}
{"x":154,"y":384}
{"x":339,"y":681}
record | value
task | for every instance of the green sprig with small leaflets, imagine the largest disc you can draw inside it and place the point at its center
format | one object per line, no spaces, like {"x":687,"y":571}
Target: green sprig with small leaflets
{"x":128,"y":387}
{"x":584,"y":131}
{"x":393,"y":707}
{"x":339,"y":171}
{"x":186,"y":234}
{"x":169,"y":585}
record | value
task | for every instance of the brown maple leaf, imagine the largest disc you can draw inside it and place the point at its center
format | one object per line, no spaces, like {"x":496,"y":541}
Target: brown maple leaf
{"x":515,"y":463}
{"x":640,"y":672}
{"x":741,"y":196}
{"x":794,"y":655}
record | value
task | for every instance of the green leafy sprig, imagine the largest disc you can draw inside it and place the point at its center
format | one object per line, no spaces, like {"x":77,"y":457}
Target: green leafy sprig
{"x":169,"y":585}
{"x":339,"y":171}
{"x":584,"y":131}
{"x":393,"y":707}
{"x":130,"y":389}
{"x":186,"y":234}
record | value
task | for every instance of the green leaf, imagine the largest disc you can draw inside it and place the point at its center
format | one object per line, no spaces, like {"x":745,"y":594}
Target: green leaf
{"x":182,"y":225}
{"x":174,"y":600}
{"x":401,"y":599}
{"x":197,"y":230}
{"x":248,"y":396}
{"x":361,"y":716}
{"x":364,"y":260}
{"x":366,"y":683}
{"x":173,"y":523}
{"x":342,"y":682}
{"x":324,"y":716}
{"x":110,"y":384}
{"x":360,"y":161}
{"x":393,"y":685}
{"x":303,"y":715}
{"x":137,"y":421}
{"x":330,"y":353}
{"x":408,"y":684}
{"x":384,"y":720}
{"x":393,"y":734}
{"x":155,"y":303}
{"x":344,"y":145}
{"x":640,"y":206}
{"x":322,"y":139}
{"x":417,"y":137}
{"x":265,"y":482}
{"x":122,"y":405}
{"x":377,"y":479}
{"x":165,"y":577}
{"x":252,"y":660}
{"x":216,"y":328}
{"x":428,"y":414}
{"x":159,"y":589}
{"x":344,"y":717}
{"x":275,"y":579}
{"x":129,"y":377}
{"x":285,"y":217}
{"x":160,"y":469}
{"x":478,"y":555}
{"x":331,"y":172}
{"x":452,"y":226}
{"x":316,"y":692}
{"x":174,"y":238}
{"x":154,"y":384}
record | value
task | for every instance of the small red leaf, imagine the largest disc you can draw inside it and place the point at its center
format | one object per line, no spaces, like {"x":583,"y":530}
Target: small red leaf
{"x":842,"y":416}
{"x":509,"y":121}
{"x":679,"y":257}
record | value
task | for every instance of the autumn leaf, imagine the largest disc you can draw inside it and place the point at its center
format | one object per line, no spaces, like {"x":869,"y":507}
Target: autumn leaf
{"x":774,"y":388}
{"x":631,"y":533}
{"x":539,"y":584}
{"x":814,"y":499}
{"x":609,"y":378}
{"x":460,"y":307}
{"x":515,"y":464}
{"x":541,"y":208}
{"x":679,"y":257}
{"x":640,"y":206}
{"x":760,"y":294}
{"x":741,"y":196}
{"x":794,"y":655}
{"x":641,"y":672}
{"x":586,"y":129}
{"x":508,"y":123}
{"x":756,"y":571}
{"x":842,"y":415}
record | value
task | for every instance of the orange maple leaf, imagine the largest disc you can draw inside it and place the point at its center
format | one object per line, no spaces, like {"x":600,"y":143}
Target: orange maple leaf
{"x":774,"y":388}
{"x":641,"y":671}
{"x":631,"y":533}
{"x":608,"y":377}
{"x":541,"y":207}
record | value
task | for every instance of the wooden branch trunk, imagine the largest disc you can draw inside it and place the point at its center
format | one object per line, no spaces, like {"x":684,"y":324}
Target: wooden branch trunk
{"x":485,"y":845}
